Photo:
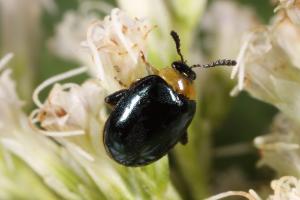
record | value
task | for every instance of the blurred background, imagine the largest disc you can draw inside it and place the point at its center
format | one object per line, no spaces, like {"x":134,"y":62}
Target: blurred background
{"x":227,"y":124}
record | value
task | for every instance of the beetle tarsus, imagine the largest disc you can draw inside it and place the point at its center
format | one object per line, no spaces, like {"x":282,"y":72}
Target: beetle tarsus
{"x":184,"y":139}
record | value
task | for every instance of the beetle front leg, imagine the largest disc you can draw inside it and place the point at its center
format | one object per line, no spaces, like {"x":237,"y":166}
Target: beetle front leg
{"x":114,"y":98}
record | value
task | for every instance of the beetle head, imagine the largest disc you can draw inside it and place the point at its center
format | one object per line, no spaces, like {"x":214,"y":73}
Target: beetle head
{"x":186,"y":70}
{"x":181,"y":65}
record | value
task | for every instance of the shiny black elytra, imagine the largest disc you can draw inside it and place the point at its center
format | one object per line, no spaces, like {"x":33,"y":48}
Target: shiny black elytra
{"x":153,"y":114}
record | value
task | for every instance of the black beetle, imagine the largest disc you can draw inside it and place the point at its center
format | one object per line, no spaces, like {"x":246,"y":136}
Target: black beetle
{"x":153,"y":114}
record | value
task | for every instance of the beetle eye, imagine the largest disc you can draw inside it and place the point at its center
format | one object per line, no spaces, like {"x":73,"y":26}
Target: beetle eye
{"x":184,"y":70}
{"x":192,"y":75}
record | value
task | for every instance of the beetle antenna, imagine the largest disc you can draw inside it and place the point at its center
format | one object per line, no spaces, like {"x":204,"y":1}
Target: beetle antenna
{"x":176,"y":39}
{"x":221,"y":62}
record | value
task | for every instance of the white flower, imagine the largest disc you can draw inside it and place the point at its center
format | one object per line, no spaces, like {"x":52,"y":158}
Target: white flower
{"x":281,"y":148}
{"x":64,"y":166}
{"x":285,"y":188}
{"x":68,"y":106}
{"x":286,"y":34}
{"x":71,"y":31}
{"x":117,"y":45}
{"x":268,"y":65}
{"x":74,"y":115}
{"x":114,"y":50}
{"x":73,"y":110}
{"x":178,"y":15}
{"x":18,"y":139}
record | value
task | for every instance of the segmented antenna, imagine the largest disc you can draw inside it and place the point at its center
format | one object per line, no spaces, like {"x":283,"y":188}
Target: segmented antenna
{"x":176,"y":39}
{"x":226,"y":62}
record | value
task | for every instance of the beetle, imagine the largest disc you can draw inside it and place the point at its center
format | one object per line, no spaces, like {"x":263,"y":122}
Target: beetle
{"x":151,"y":116}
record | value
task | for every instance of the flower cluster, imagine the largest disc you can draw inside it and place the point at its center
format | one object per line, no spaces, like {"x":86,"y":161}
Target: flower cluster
{"x":113,"y":50}
{"x":268,"y":67}
{"x":117,"y":50}
{"x":117,"y":45}
{"x":285,"y":188}
{"x":62,"y":142}
{"x":268,"y":63}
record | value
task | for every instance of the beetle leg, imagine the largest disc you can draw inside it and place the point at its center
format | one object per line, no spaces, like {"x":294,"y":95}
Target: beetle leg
{"x":184,"y":139}
{"x":114,"y":98}
{"x":150,"y":69}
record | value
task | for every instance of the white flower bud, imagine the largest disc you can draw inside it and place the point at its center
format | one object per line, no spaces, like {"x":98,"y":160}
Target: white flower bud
{"x":68,"y":106}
